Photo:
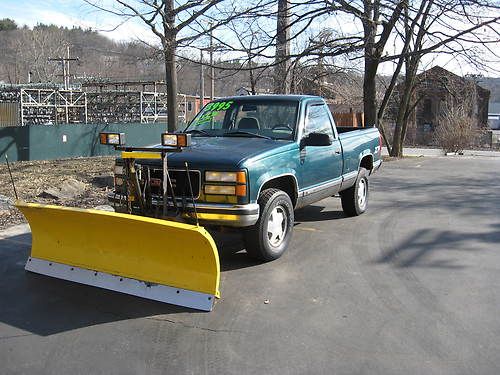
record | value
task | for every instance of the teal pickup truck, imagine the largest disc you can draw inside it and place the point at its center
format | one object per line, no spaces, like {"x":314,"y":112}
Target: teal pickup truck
{"x":253,"y":160}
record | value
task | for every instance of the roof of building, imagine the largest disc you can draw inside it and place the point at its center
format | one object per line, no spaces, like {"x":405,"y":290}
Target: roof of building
{"x":438,"y":71}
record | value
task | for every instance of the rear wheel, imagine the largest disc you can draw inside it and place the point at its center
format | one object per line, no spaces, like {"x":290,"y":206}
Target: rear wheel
{"x":355,"y":199}
{"x":269,"y":237}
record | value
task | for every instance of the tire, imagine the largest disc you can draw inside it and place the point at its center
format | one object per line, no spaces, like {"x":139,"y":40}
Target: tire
{"x":355,"y":199}
{"x":264,"y":242}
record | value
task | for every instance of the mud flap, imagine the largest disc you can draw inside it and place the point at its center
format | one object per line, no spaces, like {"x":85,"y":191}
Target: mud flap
{"x":156,"y":259}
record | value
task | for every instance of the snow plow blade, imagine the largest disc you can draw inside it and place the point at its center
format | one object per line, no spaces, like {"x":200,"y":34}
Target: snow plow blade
{"x":151,"y":258}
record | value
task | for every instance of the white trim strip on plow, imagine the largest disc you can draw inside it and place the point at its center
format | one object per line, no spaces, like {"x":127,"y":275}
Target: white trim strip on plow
{"x":156,"y":292}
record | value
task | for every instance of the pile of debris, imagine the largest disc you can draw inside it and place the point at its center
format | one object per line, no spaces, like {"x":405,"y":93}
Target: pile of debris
{"x":79,"y":182}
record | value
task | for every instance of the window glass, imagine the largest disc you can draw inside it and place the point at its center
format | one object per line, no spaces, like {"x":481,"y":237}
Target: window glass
{"x":267,"y":118}
{"x":318,"y":121}
{"x":214,"y":115}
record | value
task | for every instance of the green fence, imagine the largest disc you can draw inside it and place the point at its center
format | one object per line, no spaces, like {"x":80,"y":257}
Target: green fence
{"x":46,"y":142}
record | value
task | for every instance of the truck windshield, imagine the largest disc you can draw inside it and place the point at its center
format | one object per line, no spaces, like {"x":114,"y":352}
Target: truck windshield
{"x":263,"y":119}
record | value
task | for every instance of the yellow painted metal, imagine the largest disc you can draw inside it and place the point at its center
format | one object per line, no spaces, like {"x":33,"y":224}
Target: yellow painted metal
{"x":152,"y":250}
{"x":140,"y":155}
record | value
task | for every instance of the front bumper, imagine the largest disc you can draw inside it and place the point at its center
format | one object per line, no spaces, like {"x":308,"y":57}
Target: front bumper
{"x":242,"y":215}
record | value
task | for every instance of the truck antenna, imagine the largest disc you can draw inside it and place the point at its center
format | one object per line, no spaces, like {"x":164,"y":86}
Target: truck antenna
{"x":11,"y":178}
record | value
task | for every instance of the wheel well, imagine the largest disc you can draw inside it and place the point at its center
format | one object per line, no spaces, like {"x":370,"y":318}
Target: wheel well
{"x":367,"y":162}
{"x":285,"y":183}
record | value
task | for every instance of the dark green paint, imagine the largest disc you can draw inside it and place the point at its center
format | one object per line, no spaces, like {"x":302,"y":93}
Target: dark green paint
{"x":45,"y":142}
{"x":266,"y":159}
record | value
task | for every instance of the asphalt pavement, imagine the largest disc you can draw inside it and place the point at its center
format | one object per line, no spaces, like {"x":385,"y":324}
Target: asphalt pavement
{"x":410,"y":287}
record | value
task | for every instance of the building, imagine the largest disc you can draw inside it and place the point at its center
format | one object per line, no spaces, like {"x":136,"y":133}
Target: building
{"x":435,"y":90}
{"x":494,"y":115}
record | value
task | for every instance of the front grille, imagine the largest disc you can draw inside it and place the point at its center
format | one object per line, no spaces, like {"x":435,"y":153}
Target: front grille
{"x":179,"y":179}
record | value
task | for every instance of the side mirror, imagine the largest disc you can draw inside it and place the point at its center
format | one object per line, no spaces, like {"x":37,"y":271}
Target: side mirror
{"x":316,"y":139}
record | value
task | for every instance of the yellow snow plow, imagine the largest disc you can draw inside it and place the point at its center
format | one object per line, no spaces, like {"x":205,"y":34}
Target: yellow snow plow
{"x":149,"y":257}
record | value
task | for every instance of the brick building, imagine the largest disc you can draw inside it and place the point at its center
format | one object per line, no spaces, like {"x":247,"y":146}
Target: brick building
{"x":435,"y":89}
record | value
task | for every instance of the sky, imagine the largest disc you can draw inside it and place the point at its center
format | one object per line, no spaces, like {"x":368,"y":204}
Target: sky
{"x":77,"y":13}
{"x":72,"y":13}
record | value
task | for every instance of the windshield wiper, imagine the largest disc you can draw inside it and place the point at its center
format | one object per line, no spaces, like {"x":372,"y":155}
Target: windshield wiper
{"x":241,"y":132}
{"x":199,"y":131}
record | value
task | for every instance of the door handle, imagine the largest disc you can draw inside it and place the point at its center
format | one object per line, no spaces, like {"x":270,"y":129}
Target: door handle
{"x":337,"y":151}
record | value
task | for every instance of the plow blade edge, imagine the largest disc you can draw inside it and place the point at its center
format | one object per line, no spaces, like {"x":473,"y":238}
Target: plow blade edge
{"x":156,"y":259}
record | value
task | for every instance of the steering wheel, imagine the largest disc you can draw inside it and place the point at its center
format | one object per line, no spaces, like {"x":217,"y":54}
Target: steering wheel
{"x":282,"y":126}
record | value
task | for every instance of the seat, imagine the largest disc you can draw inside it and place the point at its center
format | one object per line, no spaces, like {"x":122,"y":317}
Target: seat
{"x":248,"y":123}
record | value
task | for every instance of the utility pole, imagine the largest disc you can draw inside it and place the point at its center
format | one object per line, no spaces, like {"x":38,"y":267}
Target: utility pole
{"x":202,"y":81}
{"x":212,"y":70}
{"x":65,"y":66}
{"x":281,"y":84}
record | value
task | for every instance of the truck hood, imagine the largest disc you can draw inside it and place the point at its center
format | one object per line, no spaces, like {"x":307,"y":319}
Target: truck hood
{"x":225,"y":152}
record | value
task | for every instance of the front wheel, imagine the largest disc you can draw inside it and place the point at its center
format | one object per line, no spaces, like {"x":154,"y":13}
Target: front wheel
{"x":355,"y":199}
{"x":269,"y":238}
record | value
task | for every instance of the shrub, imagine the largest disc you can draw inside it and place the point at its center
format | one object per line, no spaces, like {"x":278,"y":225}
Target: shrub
{"x":457,"y":130}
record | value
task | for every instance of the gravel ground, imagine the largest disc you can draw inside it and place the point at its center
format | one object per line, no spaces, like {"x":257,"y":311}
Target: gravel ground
{"x":34,"y":177}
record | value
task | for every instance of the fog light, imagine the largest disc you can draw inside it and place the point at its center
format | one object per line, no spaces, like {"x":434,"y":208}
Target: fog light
{"x":115,"y":139}
{"x":220,"y":189}
{"x":176,"y":140}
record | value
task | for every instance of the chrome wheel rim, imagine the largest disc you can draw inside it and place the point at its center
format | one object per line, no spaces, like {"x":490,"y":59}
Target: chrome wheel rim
{"x":362,"y":191}
{"x":276,"y":226}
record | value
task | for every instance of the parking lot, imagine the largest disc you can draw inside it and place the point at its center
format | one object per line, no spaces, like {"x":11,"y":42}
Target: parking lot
{"x":410,"y":287}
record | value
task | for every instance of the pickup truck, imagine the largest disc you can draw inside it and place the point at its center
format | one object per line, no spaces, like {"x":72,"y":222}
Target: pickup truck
{"x":253,"y":160}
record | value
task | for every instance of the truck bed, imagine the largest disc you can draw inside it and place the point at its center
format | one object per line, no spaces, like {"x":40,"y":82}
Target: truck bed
{"x":348,"y":129}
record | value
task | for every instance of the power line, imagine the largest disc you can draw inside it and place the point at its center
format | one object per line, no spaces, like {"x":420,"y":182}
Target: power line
{"x":65,"y":66}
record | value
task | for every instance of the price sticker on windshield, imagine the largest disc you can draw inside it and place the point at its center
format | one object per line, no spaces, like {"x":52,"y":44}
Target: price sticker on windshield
{"x":212,"y":110}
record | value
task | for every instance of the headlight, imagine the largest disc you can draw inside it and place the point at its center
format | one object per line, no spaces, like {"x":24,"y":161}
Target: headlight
{"x":214,"y":176}
{"x":220,"y":189}
{"x":118,"y":170}
{"x":118,"y":181}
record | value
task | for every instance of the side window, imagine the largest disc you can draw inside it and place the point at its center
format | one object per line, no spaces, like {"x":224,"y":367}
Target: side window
{"x":318,"y":121}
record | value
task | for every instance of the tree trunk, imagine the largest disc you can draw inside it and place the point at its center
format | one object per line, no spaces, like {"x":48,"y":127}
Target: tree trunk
{"x":169,"y":49}
{"x":370,"y":91}
{"x":404,"y":109}
{"x":171,"y":80}
{"x":281,"y":84}
{"x":371,"y":66}
{"x":253,"y":84}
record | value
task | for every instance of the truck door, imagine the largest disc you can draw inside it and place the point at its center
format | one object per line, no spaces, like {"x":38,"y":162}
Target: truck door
{"x":320,"y":166}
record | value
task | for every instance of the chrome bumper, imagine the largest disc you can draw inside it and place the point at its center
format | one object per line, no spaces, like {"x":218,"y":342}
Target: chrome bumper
{"x":243,"y":215}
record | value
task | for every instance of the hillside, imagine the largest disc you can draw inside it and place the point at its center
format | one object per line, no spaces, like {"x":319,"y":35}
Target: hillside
{"x":99,"y":58}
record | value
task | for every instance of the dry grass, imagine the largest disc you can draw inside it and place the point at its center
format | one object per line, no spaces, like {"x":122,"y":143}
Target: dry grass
{"x":33,"y":177}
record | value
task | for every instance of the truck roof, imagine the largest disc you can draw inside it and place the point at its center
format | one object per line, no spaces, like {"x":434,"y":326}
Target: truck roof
{"x":271,"y":97}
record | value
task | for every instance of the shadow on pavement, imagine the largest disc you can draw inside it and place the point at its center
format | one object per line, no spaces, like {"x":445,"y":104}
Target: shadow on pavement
{"x":317,"y":213}
{"x":45,"y":306}
{"x":414,"y":250}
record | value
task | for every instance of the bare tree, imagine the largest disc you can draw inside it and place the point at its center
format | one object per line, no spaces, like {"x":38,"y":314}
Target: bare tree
{"x":431,"y":27}
{"x":167,"y":20}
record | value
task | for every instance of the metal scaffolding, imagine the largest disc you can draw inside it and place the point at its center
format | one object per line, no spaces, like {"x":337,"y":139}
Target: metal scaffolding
{"x":52,"y":106}
{"x":89,"y":102}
